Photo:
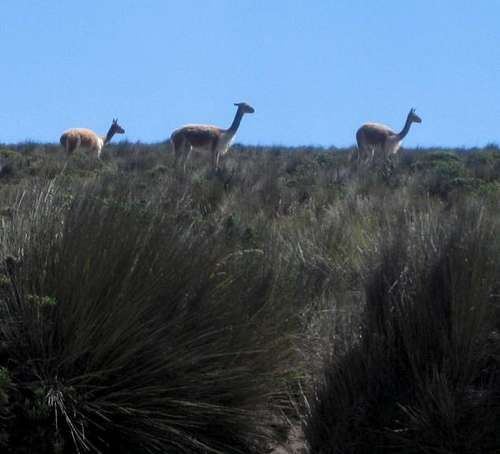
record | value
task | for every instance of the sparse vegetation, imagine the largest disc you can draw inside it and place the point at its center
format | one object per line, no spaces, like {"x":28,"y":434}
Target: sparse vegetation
{"x":148,"y":309}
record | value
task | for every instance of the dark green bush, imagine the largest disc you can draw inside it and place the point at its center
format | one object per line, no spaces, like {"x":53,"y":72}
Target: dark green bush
{"x":125,"y":332}
{"x":423,"y":374}
{"x":149,"y":308}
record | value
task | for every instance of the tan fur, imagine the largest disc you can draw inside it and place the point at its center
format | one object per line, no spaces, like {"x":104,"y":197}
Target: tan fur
{"x":75,"y":138}
{"x":375,"y":136}
{"x":80,"y":137}
{"x":208,"y":139}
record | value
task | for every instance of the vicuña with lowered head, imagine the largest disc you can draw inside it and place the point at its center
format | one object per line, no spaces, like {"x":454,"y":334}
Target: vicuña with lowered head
{"x":86,"y":138}
{"x":207,"y":138}
{"x":374,"y":135}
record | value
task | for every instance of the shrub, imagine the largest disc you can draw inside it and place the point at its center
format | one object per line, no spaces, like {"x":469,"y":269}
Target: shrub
{"x":422,"y":376}
{"x":125,"y":332}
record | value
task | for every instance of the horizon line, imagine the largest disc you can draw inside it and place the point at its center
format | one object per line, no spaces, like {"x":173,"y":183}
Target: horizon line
{"x":249,"y":145}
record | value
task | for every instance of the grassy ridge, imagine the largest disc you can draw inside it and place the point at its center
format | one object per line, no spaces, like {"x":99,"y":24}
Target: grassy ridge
{"x":146,"y":309}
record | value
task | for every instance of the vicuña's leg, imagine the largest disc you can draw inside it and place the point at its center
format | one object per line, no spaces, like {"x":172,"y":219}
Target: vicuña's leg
{"x":358,"y":153}
{"x":186,"y":153}
{"x":176,"y":151}
{"x":355,"y":156}
{"x":388,"y":150}
{"x":215,"y":152}
{"x":371,"y":154}
{"x":181,"y":150}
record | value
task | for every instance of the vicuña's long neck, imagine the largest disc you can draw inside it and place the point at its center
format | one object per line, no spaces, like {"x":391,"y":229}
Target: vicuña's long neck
{"x":236,"y":123}
{"x":405,"y":130}
{"x":109,"y":135}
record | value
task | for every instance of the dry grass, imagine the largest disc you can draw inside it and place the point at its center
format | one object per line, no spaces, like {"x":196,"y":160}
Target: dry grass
{"x":146,"y":309}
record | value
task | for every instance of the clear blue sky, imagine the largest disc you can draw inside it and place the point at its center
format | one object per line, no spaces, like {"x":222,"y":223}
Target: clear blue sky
{"x":314,"y":70}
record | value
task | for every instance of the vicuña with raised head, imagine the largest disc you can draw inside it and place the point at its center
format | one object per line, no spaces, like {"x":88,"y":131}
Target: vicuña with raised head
{"x":75,"y":138}
{"x":207,"y":138}
{"x":373,"y":136}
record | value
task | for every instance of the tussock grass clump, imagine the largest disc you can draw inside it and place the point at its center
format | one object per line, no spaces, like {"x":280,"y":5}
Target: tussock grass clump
{"x":422,"y":374}
{"x":150,"y":308}
{"x":123,"y":331}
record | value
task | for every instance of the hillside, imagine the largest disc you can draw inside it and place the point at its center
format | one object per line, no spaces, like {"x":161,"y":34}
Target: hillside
{"x":148,"y":308}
